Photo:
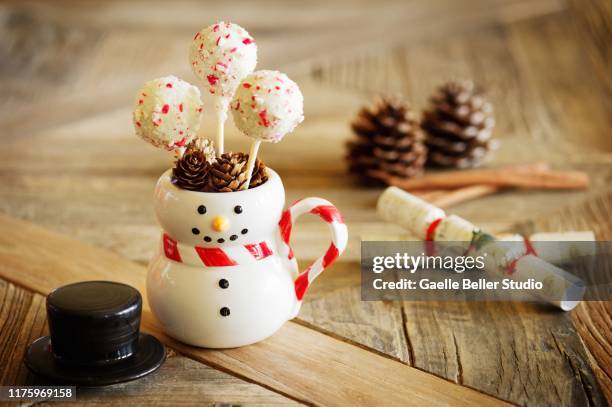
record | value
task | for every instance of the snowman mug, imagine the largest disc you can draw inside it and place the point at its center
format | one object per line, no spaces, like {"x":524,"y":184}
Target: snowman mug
{"x":224,"y":274}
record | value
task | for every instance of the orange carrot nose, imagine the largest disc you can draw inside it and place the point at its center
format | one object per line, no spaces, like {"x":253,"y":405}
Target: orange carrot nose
{"x":219,"y":224}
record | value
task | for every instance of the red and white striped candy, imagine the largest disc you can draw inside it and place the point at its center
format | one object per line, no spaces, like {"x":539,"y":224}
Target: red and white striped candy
{"x":329,"y":214}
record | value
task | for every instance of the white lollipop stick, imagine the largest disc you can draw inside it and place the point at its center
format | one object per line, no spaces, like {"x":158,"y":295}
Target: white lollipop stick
{"x":251,"y":163}
{"x":221,"y":106}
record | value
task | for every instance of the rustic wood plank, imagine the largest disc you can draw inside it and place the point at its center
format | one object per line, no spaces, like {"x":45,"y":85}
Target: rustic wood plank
{"x":593,"y":322}
{"x":297,"y":361}
{"x":593,"y":318}
{"x":542,"y":361}
{"x":594,"y":25}
{"x":525,"y":353}
{"x":179,"y":381}
{"x":22,"y":320}
{"x":334,"y":304}
{"x":579,"y":114}
{"x":182,"y":381}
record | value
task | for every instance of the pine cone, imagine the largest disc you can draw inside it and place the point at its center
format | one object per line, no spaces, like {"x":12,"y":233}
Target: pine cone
{"x":388,"y":141}
{"x":459,"y":123}
{"x":191,"y":170}
{"x":228,"y":173}
{"x":260,"y":174}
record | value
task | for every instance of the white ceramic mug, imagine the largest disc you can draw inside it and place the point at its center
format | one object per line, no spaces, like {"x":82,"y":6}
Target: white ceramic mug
{"x":224,"y":274}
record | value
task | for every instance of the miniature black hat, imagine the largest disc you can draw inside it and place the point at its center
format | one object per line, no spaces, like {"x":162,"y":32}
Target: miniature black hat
{"x":95,"y":336}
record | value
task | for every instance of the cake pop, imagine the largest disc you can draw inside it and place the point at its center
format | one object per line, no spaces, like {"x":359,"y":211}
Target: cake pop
{"x":167,"y":112}
{"x":267,"y":106}
{"x":222,"y":55}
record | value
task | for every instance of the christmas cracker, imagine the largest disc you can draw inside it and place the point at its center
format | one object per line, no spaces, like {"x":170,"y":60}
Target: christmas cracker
{"x":428,"y":222}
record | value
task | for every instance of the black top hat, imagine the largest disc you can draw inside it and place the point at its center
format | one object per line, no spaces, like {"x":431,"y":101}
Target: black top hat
{"x":95,"y":336}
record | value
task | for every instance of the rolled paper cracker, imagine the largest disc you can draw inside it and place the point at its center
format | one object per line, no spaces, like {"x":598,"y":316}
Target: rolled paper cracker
{"x":414,"y":214}
{"x":454,"y":229}
{"x":558,"y":247}
{"x":398,"y":206}
{"x":573,"y":236}
{"x":500,"y":255}
{"x":386,"y":237}
{"x":560,"y":288}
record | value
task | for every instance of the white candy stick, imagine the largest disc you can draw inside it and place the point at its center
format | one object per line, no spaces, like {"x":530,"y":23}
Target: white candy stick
{"x":221,"y":106}
{"x":251,"y":163}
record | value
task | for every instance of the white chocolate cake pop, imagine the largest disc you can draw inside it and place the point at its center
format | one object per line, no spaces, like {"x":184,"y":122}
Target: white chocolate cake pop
{"x":167,"y":112}
{"x":267,"y":106}
{"x":222,"y":55}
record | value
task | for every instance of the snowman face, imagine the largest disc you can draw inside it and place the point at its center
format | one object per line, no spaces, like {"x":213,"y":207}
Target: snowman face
{"x":222,"y":218}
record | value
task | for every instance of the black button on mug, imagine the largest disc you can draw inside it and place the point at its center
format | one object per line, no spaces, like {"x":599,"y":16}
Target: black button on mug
{"x":223,"y":283}
{"x":225,"y":311}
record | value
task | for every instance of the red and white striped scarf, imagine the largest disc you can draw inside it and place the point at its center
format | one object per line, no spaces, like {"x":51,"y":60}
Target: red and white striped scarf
{"x":215,"y":256}
{"x":234,"y":255}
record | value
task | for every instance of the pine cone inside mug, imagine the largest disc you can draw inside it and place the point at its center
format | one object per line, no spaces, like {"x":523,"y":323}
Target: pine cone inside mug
{"x":260,"y":174}
{"x":191,"y":170}
{"x":228,"y":173}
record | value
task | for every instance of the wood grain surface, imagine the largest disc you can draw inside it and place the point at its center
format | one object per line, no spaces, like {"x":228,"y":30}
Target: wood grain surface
{"x":70,"y":162}
{"x":542,"y":361}
{"x":592,"y":319}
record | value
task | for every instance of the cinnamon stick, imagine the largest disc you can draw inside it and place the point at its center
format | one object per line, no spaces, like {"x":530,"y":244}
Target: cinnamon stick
{"x":460,"y":195}
{"x":431,"y":194}
{"x":536,"y":176}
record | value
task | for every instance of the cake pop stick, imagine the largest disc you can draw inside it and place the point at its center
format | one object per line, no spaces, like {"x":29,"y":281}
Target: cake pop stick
{"x":267,"y":106}
{"x":221,"y":106}
{"x":251,"y":162}
{"x":222,"y":55}
{"x":167,"y":112}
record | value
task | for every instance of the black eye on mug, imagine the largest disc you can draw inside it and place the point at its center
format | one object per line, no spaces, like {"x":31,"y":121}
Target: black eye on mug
{"x":201,"y":209}
{"x":238,"y":209}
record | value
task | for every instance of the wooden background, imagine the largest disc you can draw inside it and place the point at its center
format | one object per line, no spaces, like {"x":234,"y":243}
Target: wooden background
{"x":70,"y":162}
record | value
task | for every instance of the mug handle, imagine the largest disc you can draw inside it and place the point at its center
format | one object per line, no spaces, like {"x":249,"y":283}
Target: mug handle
{"x":330,"y":215}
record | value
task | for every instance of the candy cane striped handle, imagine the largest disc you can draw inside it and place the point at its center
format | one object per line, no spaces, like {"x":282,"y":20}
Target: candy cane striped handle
{"x":330,"y":215}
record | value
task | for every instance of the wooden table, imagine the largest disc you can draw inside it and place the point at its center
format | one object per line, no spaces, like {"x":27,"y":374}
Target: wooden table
{"x":71,"y":164}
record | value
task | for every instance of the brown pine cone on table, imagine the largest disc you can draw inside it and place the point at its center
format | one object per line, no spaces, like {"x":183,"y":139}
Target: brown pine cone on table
{"x":228,"y":173}
{"x":388,"y":141}
{"x":191,"y":170}
{"x":459,"y":123}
